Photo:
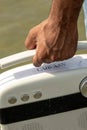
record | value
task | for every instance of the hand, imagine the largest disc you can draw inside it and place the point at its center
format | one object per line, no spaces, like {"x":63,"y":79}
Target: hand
{"x":54,"y":41}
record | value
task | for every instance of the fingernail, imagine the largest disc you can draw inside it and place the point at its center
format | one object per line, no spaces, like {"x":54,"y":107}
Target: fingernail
{"x":35,"y":62}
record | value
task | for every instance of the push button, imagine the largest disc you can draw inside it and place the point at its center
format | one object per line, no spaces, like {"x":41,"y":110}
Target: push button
{"x":83,"y":87}
{"x":37,"y":95}
{"x":12,"y":100}
{"x":25,"y":97}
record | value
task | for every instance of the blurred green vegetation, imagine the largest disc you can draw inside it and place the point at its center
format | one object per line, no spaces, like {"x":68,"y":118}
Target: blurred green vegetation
{"x":16,"y":18}
{"x":81,"y":26}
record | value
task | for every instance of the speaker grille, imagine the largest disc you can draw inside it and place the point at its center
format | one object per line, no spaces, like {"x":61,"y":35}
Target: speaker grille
{"x":83,"y":120}
{"x":33,"y":126}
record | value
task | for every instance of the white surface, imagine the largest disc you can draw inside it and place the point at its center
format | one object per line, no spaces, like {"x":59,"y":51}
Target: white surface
{"x":53,"y":80}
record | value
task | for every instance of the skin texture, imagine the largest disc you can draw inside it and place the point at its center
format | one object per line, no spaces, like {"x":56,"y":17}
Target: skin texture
{"x":55,"y":39}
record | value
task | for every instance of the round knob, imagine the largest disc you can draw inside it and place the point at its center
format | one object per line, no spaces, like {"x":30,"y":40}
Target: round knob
{"x":12,"y":100}
{"x":37,"y":95}
{"x":83,"y":88}
{"x":25,"y":97}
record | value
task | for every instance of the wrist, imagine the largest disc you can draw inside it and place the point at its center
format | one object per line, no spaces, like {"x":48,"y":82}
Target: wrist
{"x":65,"y":11}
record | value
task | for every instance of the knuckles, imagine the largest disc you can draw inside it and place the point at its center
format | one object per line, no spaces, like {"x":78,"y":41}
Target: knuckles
{"x":53,"y":41}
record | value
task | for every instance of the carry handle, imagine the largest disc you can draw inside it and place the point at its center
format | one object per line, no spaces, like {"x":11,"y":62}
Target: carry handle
{"x":82,"y":45}
{"x":28,"y":55}
{"x":16,"y":59}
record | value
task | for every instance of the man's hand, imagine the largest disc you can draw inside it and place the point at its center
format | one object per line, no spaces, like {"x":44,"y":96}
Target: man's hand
{"x":53,"y":41}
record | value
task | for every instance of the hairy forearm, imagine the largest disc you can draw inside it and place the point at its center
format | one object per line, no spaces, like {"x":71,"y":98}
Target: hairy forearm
{"x":65,"y":10}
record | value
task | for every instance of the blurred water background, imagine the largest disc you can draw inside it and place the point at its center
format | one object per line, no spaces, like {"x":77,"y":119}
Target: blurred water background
{"x":16,"y":19}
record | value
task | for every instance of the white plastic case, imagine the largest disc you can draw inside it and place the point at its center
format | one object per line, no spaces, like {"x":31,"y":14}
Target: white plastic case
{"x":50,"y":97}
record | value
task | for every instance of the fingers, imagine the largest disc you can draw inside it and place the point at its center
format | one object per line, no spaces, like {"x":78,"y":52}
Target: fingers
{"x":41,"y":54}
{"x":30,"y":41}
{"x":36,"y":62}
